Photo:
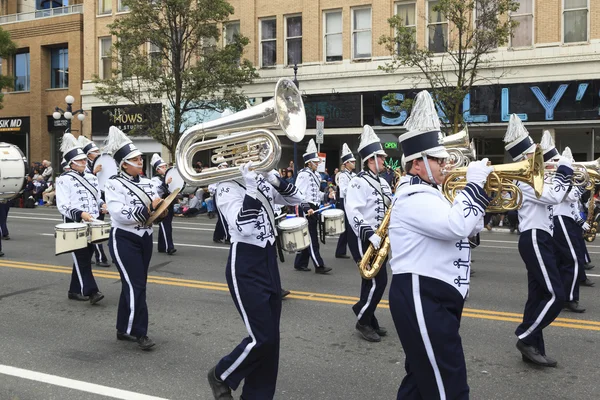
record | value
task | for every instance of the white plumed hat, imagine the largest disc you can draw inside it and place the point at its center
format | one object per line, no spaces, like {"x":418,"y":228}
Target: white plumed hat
{"x":71,"y":149}
{"x":121,"y":147}
{"x":87,"y":144}
{"x":347,"y":154}
{"x":519,"y":143}
{"x":568,"y":154}
{"x":424,"y":136}
{"x":157,"y":161}
{"x":547,"y":145}
{"x":370,"y":144}
{"x":311,"y":152}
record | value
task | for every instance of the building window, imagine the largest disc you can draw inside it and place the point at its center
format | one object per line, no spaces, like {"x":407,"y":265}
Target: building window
{"x":231,"y":30}
{"x":361,"y":33}
{"x":21,"y":72}
{"x":407,"y":12}
{"x":268,"y":42}
{"x":437,"y":27}
{"x":155,"y":56}
{"x":523,"y":33}
{"x":104,"y":6}
{"x":105,"y":70}
{"x":59,"y":68}
{"x":293,"y":40}
{"x":122,"y":7}
{"x":575,"y":21}
{"x":333,"y":36}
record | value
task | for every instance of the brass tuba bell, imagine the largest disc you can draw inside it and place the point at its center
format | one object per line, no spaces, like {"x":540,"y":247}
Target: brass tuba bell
{"x":460,"y":149}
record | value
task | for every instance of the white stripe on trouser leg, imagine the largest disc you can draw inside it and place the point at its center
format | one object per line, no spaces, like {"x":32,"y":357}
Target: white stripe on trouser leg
{"x":78,"y":272}
{"x":99,"y":253}
{"x":164,"y":231}
{"x":369,"y":298}
{"x":576,"y":272}
{"x":312,"y":254}
{"x":536,"y":249}
{"x":131,"y":295}
{"x":236,"y":289}
{"x":425,"y":336}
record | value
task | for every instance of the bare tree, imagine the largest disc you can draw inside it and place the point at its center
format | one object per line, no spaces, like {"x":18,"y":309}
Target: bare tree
{"x":166,"y":52}
{"x":463,"y":38}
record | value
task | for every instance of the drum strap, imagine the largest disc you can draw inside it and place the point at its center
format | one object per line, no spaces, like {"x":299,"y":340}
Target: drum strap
{"x":90,"y":188}
{"x":139,"y":193}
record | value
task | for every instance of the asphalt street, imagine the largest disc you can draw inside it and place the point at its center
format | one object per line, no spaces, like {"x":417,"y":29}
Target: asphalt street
{"x":55,"y":348}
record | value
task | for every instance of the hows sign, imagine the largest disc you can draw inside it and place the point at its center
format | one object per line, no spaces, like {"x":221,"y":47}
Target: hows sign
{"x":534,"y":102}
{"x":126,"y":118}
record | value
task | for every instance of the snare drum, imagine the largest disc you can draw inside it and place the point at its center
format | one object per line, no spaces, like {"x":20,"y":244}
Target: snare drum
{"x":70,"y":236}
{"x":109,"y":168}
{"x":98,"y":231}
{"x":13,"y":167}
{"x":294,"y":234}
{"x":334,"y":222}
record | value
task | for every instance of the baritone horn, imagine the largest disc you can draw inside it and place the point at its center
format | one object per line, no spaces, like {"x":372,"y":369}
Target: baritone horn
{"x":460,"y":149}
{"x":246,"y":137}
{"x":530,"y":171}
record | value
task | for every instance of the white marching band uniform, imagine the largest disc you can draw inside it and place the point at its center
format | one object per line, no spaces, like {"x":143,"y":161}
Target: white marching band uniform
{"x":165,"y":232}
{"x":343,"y":179}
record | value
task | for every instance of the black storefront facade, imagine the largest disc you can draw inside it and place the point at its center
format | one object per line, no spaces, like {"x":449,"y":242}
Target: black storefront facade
{"x":570,"y":109}
{"x":15,"y":130}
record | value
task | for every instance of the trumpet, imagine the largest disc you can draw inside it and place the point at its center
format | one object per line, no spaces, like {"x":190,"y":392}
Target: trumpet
{"x":243,"y":136}
{"x":530,"y":171}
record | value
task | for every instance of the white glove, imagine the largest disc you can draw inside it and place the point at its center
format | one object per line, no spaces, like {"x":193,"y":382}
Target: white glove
{"x":375,"y":240}
{"x":586,"y":227}
{"x":249,"y":178}
{"x":478,"y":171}
{"x":272,"y":177}
{"x":565,"y":161}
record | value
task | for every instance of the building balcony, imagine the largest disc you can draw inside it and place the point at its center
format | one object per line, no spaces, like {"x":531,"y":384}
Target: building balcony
{"x":47,"y":13}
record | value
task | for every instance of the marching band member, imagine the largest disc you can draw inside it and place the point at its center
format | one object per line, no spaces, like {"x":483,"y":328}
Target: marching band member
{"x":221,"y":232}
{"x":537,"y":248}
{"x":165,"y":232}
{"x":131,"y":199}
{"x":368,"y":197}
{"x":430,"y":259}
{"x":345,"y":175}
{"x":308,"y":183}
{"x":78,"y":199}
{"x":253,"y":279}
{"x":568,"y":226}
{"x":92,"y":152}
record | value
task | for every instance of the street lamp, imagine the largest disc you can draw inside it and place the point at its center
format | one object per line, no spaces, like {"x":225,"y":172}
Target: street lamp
{"x":68,"y":113}
{"x":296,"y":144}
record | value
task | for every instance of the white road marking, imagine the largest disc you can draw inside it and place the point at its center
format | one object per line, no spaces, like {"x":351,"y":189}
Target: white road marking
{"x":74,"y":384}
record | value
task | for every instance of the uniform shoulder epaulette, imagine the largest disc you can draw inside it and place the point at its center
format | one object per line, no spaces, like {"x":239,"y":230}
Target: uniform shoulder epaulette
{"x":65,"y":173}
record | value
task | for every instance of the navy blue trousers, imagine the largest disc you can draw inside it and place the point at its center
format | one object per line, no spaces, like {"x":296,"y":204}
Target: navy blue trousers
{"x":165,"y":233}
{"x":82,"y":278}
{"x":583,"y":256}
{"x":342,"y":243}
{"x":567,"y":246}
{"x":131,"y":254}
{"x":98,"y":251}
{"x":427,"y":313}
{"x":311,"y":251}
{"x":254,"y":284}
{"x":4,"y":207}
{"x":546,"y":296}
{"x":371,"y":290}
{"x":220,"y":232}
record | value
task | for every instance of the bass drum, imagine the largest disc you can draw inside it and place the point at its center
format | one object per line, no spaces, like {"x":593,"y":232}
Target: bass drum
{"x":177,"y":182}
{"x":13,"y":168}
{"x":109,"y":168}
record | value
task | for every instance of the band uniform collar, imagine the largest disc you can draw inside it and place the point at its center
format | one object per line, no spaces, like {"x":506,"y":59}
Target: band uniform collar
{"x":129,"y":177}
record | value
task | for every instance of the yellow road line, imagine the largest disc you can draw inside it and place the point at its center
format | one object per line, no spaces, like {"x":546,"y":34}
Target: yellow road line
{"x":300,"y":295}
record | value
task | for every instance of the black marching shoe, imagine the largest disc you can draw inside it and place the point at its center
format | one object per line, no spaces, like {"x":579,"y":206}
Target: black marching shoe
{"x":303,"y":269}
{"x":587,"y":283}
{"x":550,"y":362}
{"x":102,"y":264}
{"x":145,"y":343}
{"x":125,"y":336}
{"x":96,"y":297}
{"x":1,"y":254}
{"x":171,"y":252}
{"x":532,"y":354}
{"x":322,"y":270}
{"x":342,"y":256}
{"x":573,"y":306}
{"x":8,"y":238}
{"x":219,"y":388}
{"x":284,"y":292}
{"x":588,"y":266}
{"x":368,"y":333}
{"x":381,"y":331}
{"x":78,"y":297}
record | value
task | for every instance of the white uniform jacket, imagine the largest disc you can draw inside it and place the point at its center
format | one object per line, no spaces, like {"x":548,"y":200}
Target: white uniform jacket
{"x":539,"y":213}
{"x":161,"y":186}
{"x":251,"y":220}
{"x":129,"y":208}
{"x":212,"y":189}
{"x":428,"y":235}
{"x":569,"y":207}
{"x":367,"y":199}
{"x":78,"y":193}
{"x":308,"y":183}
{"x":344,"y":182}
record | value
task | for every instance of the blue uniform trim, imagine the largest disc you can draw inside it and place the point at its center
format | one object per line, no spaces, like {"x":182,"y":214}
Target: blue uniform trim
{"x":477,"y":195}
